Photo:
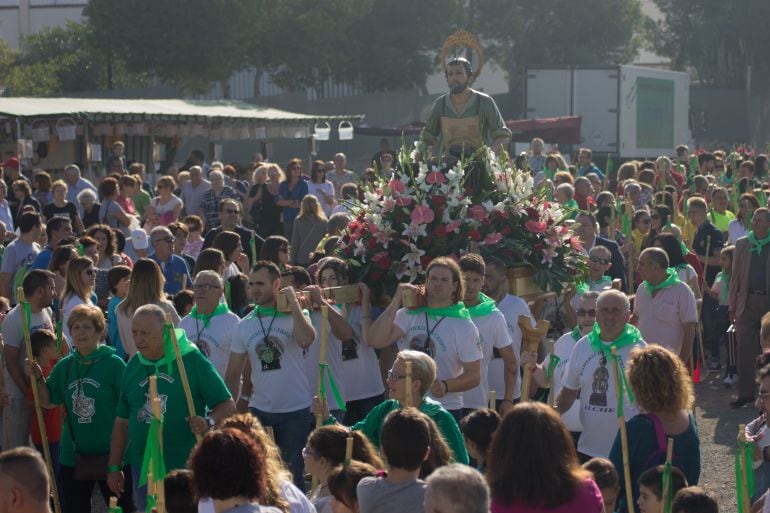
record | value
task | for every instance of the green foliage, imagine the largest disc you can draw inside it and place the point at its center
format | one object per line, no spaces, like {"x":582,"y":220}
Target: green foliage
{"x":719,"y":39}
{"x":559,"y":32}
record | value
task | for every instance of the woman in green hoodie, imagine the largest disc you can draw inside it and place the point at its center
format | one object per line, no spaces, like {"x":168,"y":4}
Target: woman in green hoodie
{"x":87,"y":383}
{"x":423,"y":376}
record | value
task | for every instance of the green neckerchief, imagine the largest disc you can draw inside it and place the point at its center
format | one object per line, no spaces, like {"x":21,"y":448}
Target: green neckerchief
{"x":266,"y":311}
{"x":587,"y":285}
{"x":757,"y":245}
{"x":672,"y":279}
{"x":630,"y":335}
{"x":485,"y":307}
{"x":185,"y":347}
{"x":456,"y":310}
{"x":725,"y":279}
{"x":93,"y":355}
{"x":324,"y":370}
{"x":228,"y":293}
{"x":576,"y":333}
{"x":221,"y":309}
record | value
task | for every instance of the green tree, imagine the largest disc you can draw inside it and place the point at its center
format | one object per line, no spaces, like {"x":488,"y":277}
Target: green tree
{"x":558,"y":32}
{"x":719,"y":40}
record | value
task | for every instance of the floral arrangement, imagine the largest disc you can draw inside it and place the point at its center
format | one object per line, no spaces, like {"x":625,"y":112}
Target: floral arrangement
{"x":481,"y":204}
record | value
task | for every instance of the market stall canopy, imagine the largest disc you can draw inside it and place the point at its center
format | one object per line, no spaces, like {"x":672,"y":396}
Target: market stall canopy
{"x":563,"y":130}
{"x":105,"y":109}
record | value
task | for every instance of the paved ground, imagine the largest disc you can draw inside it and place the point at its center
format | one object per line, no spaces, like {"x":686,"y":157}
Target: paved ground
{"x":718,"y":428}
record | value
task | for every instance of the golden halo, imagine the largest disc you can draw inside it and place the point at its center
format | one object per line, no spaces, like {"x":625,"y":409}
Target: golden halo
{"x":462,"y":39}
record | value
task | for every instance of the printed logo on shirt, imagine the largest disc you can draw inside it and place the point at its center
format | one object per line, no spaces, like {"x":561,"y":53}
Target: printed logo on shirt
{"x":423,"y":344}
{"x":83,"y":406}
{"x":145,"y":413}
{"x":269,"y":351}
{"x":600,"y":384}
{"x":350,"y":349}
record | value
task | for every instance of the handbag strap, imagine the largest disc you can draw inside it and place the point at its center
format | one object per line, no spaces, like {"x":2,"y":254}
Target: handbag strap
{"x":660,"y":434}
{"x":68,"y":414}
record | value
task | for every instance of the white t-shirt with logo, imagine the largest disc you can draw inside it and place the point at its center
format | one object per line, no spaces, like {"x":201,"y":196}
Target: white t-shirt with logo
{"x":333,"y":359}
{"x":360,"y":367}
{"x":563,"y":350}
{"x":512,"y":307}
{"x":214,"y":339}
{"x":493,"y":333}
{"x":592,"y":375}
{"x":452,"y":343}
{"x":277,"y":363}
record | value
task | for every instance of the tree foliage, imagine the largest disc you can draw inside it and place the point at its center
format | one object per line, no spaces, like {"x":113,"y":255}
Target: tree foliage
{"x":559,"y":32}
{"x":720,"y":40}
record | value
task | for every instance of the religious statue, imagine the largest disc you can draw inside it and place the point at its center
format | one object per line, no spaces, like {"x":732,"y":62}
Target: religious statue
{"x":464,"y":119}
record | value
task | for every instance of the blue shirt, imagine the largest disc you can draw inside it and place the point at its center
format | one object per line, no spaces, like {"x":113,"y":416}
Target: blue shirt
{"x":112,"y":327}
{"x":296,"y":194}
{"x":591,"y":168}
{"x":175,"y":272}
{"x":43,"y":259}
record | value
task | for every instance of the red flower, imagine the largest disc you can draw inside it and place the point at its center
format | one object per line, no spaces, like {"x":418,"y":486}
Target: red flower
{"x":506,"y":231}
{"x":375,"y":275}
{"x":435,"y":177}
{"x":403,"y":201}
{"x":371,"y":243}
{"x":396,"y":186}
{"x":575,"y":243}
{"x":383,"y":260}
{"x":440,"y":231}
{"x":474,"y":234}
{"x":438,"y":201}
{"x":535,"y":226}
{"x":422,"y":215}
{"x":477,"y":212}
{"x":425,"y":260}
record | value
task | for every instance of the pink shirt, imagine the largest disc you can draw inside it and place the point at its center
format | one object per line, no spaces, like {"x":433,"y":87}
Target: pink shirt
{"x":588,"y":499}
{"x":662,"y":319}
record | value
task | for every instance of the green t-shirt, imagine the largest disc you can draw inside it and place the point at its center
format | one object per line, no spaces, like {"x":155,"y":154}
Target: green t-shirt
{"x":371,"y":426}
{"x":719,"y":220}
{"x":89,"y":388}
{"x":208,"y":390}
{"x":141,"y":199}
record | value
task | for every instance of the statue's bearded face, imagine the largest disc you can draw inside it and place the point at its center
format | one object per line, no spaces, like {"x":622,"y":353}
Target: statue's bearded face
{"x":457,"y":78}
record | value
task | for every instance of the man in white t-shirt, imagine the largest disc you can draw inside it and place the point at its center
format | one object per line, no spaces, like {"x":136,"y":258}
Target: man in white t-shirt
{"x":340,"y":176}
{"x":664,"y":305}
{"x":496,"y":287}
{"x":39,"y":291}
{"x":589,"y":373}
{"x":275,"y":343}
{"x":210,"y":324}
{"x":20,"y":253}
{"x":493,"y":334}
{"x":442,"y":329}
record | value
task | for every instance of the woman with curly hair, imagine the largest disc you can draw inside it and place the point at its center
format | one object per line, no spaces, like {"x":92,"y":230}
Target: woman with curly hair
{"x":663,"y":390}
{"x":280,"y":492}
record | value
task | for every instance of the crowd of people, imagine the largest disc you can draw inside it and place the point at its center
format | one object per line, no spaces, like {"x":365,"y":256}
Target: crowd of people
{"x":235,"y":263}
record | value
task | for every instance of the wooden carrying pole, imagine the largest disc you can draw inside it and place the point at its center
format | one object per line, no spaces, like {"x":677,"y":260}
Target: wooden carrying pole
{"x":743,"y":469}
{"x":667,"y":477}
{"x":36,"y":396}
{"x":699,"y":332}
{"x":623,"y":434}
{"x":319,"y":420}
{"x":182,"y":373}
{"x":348,"y":448}
{"x":530,"y":340}
{"x":408,"y":384}
{"x":493,"y":400}
{"x":158,"y":488}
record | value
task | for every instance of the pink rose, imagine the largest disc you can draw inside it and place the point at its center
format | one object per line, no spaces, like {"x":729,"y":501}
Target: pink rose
{"x":422,"y":215}
{"x":452,"y":226}
{"x":535,"y":226}
{"x":492,"y":238}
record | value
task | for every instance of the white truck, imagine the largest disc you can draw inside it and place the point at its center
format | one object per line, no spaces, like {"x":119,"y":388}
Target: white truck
{"x":627,"y":111}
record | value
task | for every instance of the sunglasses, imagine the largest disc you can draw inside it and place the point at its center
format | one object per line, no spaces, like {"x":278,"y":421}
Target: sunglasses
{"x":166,"y":239}
{"x":205,"y":287}
{"x":306,"y":451}
{"x":583,"y":313}
{"x":598,"y":260}
{"x":393,"y":376}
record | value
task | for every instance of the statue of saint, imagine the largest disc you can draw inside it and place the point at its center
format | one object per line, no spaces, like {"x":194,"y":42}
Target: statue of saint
{"x":464,"y":119}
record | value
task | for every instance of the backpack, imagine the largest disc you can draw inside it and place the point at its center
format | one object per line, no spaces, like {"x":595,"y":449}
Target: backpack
{"x":658,"y":457}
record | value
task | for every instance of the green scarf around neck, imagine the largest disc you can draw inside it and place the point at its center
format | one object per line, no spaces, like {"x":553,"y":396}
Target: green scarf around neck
{"x":456,"y":310}
{"x":221,"y":309}
{"x":757,"y":244}
{"x":185,"y":347}
{"x":266,"y":311}
{"x":93,"y":355}
{"x":672,"y":279}
{"x":485,"y":307}
{"x":629,"y":336}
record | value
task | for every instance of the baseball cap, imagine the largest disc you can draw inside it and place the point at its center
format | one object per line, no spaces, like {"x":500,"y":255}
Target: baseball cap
{"x":139,"y":239}
{"x":12,"y":162}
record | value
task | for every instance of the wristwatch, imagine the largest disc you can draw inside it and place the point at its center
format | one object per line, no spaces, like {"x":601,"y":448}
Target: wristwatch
{"x":210,"y":422}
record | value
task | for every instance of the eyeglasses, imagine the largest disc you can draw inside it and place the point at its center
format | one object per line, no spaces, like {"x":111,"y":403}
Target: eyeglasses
{"x":393,"y":376}
{"x":583,"y":313}
{"x":170,"y":240}
{"x":231,"y":211}
{"x":597,"y":260}
{"x":90,"y":272}
{"x":205,"y":287}
{"x":306,"y":451}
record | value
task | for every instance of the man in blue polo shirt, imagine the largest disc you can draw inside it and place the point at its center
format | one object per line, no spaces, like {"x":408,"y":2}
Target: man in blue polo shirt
{"x":58,"y":228}
{"x":173,"y":267}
